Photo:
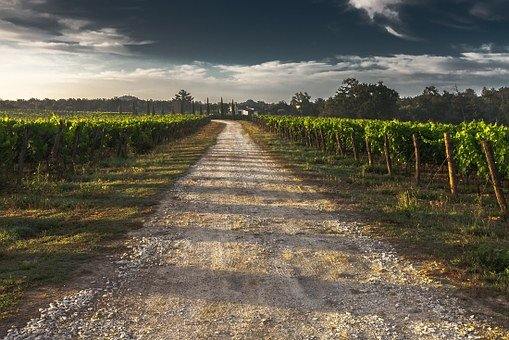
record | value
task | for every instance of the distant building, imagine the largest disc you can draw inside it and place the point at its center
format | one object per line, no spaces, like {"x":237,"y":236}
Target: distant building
{"x":248,"y":111}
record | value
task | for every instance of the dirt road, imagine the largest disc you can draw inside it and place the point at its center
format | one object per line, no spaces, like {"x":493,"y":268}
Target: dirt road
{"x":241,"y":248}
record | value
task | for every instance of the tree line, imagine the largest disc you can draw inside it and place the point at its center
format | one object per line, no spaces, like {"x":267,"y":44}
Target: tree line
{"x":353,"y":99}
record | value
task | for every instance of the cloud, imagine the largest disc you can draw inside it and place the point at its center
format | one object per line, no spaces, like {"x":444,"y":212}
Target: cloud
{"x":486,"y":11}
{"x":381,"y":12}
{"x":23,"y":24}
{"x":397,"y":34}
{"x":385,"y":8}
{"x":55,"y":73}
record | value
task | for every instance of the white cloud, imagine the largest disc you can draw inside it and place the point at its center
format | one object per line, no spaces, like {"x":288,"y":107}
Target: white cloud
{"x":63,"y":33}
{"x":397,"y":34}
{"x":386,"y":8}
{"x":41,"y":71}
{"x":486,"y":58}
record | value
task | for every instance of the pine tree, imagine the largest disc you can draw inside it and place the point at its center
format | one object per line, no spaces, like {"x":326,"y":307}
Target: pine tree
{"x":183,"y":97}
{"x":193,"y":108}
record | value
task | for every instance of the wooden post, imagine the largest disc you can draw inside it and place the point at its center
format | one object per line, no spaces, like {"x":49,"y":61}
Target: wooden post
{"x":22,"y":152}
{"x":354,"y":147}
{"x":368,"y":151}
{"x":55,"y":150}
{"x":417,"y":156}
{"x":388,"y":160}
{"x":322,"y":140}
{"x":338,"y":145}
{"x":453,"y":183}
{"x":76,"y":143}
{"x":495,"y":180}
{"x":317,"y":140}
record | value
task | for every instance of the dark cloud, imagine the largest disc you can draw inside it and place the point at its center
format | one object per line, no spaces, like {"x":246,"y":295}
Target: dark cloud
{"x":264,"y":46}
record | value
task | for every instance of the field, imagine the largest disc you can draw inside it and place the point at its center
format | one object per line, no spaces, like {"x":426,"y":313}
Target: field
{"x":57,"y":144}
{"x":298,"y":221}
{"x":465,"y":234}
{"x":56,"y":216}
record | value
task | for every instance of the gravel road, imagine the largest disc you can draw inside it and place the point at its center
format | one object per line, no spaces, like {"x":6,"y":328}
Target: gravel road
{"x":241,"y":248}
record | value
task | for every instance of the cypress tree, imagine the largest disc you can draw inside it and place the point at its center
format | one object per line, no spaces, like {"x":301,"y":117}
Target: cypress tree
{"x":221,"y":111}
{"x":208,"y":106}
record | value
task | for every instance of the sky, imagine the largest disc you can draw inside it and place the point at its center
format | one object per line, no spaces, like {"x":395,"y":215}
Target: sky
{"x":244,"y":49}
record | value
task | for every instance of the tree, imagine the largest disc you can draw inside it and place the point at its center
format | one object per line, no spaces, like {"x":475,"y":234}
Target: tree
{"x":362,"y":100}
{"x":319,"y":106}
{"x":301,"y":102}
{"x":208,"y":106}
{"x":183,"y":97}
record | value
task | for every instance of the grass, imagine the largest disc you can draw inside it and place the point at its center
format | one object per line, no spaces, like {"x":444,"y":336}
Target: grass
{"x":49,"y":227}
{"x":457,"y":239}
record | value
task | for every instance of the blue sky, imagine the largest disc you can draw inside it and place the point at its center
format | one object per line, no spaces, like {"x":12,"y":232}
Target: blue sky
{"x":248,"y":49}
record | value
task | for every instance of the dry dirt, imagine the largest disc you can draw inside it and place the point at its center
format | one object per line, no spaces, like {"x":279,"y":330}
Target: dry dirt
{"x":241,"y":248}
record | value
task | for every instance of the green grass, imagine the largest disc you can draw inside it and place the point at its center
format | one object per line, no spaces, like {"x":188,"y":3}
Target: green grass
{"x":459,"y":239}
{"x":49,"y":227}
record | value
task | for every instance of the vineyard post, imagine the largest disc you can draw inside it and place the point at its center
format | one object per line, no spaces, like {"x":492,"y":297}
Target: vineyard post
{"x":338,"y":145}
{"x":122,"y":145}
{"x":317,"y":140}
{"x":387,"y":154}
{"x":495,"y":180}
{"x":75,"y":143}
{"x":368,"y":151}
{"x":417,"y":156}
{"x":98,"y":141}
{"x":322,"y":140}
{"x":55,"y":150}
{"x":453,"y":183}
{"x":22,"y":152}
{"x":354,"y":147}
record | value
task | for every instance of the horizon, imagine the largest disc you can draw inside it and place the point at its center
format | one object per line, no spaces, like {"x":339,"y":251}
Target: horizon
{"x":263,"y":51}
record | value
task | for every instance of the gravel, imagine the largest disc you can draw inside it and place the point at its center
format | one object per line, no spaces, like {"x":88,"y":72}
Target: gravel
{"x":241,"y":248}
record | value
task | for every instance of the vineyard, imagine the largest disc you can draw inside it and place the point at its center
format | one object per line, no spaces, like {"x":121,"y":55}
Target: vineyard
{"x":57,"y":143}
{"x":403,"y":144}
